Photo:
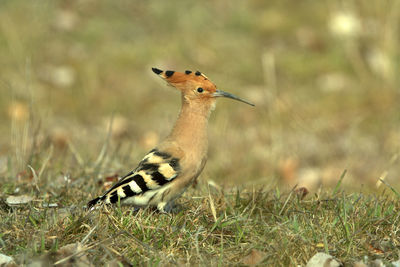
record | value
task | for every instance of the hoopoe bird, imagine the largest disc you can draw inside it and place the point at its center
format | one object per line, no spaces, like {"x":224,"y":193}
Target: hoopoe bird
{"x":167,"y":170}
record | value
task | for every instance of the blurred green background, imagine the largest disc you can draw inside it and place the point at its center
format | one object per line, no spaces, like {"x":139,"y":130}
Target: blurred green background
{"x":323,"y":75}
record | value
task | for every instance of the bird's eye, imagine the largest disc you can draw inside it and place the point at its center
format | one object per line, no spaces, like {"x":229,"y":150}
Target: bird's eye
{"x":200,"y":90}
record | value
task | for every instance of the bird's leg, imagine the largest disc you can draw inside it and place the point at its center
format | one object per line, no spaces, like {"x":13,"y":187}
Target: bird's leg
{"x":136,"y":209}
{"x":168,"y":207}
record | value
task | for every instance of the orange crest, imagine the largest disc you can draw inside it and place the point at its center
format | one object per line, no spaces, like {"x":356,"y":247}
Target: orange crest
{"x":194,"y":85}
{"x":186,"y":81}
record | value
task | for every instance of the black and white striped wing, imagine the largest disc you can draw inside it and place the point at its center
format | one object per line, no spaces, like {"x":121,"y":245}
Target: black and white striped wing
{"x":155,"y":170}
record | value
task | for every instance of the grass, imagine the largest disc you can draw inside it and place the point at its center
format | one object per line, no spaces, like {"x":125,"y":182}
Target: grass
{"x":79,"y":106}
{"x":214,"y":227}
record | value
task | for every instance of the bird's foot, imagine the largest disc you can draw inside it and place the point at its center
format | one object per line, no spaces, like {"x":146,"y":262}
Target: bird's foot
{"x":169,"y":207}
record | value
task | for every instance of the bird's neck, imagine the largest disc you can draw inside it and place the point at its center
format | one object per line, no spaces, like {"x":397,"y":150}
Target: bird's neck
{"x":190,"y":130}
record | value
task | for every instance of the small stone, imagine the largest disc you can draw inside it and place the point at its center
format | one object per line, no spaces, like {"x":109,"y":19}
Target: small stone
{"x":18,"y":200}
{"x":322,"y":259}
{"x":66,"y":20}
{"x":396,"y":263}
{"x":63,"y":76}
{"x":359,"y":264}
{"x":4,"y":259}
{"x":345,"y":24}
{"x":377,"y":263}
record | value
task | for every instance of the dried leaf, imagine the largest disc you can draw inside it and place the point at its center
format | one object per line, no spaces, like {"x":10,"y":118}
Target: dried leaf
{"x":49,"y":205}
{"x":68,"y":255}
{"x":107,"y":182}
{"x":72,"y":254}
{"x":301,"y":192}
{"x":25,"y":176}
{"x":374,"y":250}
{"x":255,"y":257}
{"x":288,"y":169}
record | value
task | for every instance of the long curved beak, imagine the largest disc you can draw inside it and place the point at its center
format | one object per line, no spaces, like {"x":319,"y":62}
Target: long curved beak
{"x":219,"y":93}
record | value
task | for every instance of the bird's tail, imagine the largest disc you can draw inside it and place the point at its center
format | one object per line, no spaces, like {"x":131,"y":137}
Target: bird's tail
{"x":93,"y":202}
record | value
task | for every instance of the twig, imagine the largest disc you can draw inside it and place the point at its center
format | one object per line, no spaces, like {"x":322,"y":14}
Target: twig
{"x":287,"y":199}
{"x":212,"y":206}
{"x":104,"y":149}
{"x":87,"y":248}
{"x":88,"y":235}
{"x":46,"y":160}
{"x":35,"y":178}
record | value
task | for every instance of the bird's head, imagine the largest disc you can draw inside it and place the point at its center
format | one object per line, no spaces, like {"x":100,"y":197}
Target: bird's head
{"x":195,"y":86}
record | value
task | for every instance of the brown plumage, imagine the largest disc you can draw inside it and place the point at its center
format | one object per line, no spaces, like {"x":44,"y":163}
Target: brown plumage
{"x":166,"y":171}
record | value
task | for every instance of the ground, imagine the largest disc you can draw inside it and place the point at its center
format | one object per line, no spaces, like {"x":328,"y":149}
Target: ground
{"x":80,"y":105}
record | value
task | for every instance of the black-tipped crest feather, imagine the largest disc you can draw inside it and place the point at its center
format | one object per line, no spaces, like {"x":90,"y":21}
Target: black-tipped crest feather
{"x":169,"y":73}
{"x":156,"y":71}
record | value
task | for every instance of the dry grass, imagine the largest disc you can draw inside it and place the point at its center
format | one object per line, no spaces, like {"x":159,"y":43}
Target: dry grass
{"x":214,"y":227}
{"x":322,"y":74}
